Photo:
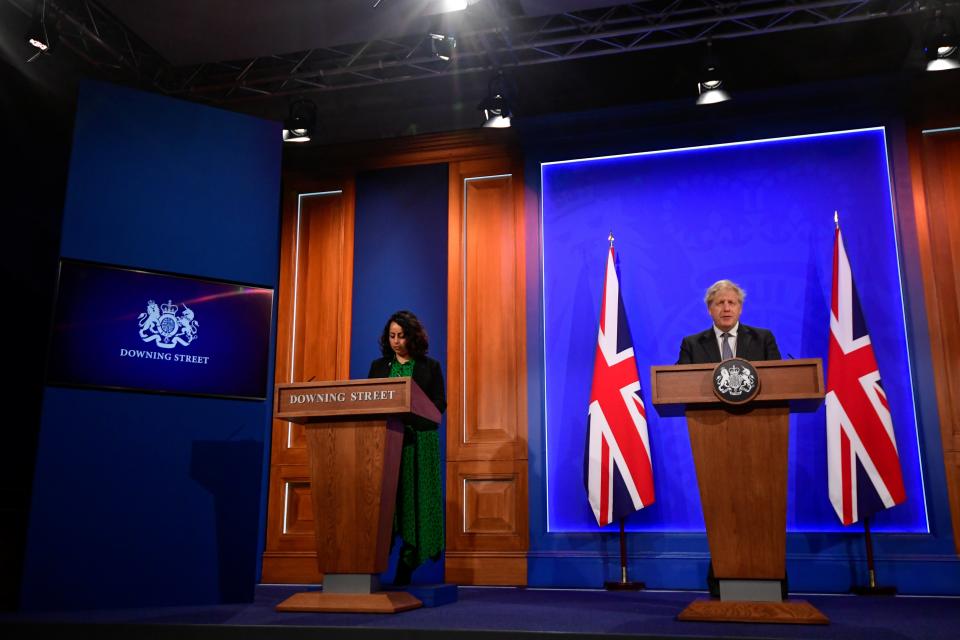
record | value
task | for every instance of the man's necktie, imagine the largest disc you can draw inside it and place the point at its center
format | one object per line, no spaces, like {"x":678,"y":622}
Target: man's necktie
{"x":725,"y":350}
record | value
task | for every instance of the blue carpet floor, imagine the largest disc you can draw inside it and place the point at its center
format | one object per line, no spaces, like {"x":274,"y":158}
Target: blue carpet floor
{"x":508,"y":612}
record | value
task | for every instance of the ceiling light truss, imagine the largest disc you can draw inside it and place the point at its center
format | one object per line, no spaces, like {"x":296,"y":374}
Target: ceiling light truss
{"x":521,"y":41}
{"x":102,"y":41}
{"x":496,"y":39}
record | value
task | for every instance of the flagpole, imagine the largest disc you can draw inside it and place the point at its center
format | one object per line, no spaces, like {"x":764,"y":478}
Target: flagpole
{"x":624,"y":584}
{"x":871,"y":589}
{"x":875,"y":433}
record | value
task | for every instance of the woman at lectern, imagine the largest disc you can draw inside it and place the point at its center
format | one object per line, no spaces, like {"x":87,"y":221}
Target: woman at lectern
{"x":419,"y":512}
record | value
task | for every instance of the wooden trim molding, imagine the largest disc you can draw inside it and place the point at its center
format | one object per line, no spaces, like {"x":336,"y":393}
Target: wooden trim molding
{"x":436,"y":148}
{"x":290,"y":567}
{"x":486,"y":362}
{"x":935,"y":177}
{"x":486,"y":567}
{"x":313,"y":342}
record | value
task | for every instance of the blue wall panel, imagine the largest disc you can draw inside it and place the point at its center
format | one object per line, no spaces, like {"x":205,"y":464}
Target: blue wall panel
{"x":400,"y":262}
{"x":761,"y":214}
{"x":145,"y":499}
{"x":661,"y":258}
{"x":169,"y":185}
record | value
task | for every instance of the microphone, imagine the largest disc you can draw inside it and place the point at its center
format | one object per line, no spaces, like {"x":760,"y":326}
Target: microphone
{"x":311,"y":378}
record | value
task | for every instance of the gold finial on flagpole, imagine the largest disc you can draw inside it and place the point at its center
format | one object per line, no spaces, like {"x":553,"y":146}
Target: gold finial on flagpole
{"x":836,"y":218}
{"x":610,"y":238}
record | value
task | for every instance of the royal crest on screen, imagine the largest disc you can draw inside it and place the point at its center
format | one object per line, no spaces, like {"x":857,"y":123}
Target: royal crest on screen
{"x":161,"y":325}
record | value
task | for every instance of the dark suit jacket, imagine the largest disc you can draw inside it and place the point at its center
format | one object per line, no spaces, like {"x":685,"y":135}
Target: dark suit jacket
{"x":428,"y":376}
{"x":753,"y":343}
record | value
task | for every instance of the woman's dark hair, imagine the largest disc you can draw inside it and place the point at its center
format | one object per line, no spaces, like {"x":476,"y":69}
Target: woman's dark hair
{"x":413,"y":331}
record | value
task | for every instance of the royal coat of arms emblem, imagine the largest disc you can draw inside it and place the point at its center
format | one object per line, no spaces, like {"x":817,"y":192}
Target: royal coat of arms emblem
{"x":161,"y":325}
{"x":735,"y":381}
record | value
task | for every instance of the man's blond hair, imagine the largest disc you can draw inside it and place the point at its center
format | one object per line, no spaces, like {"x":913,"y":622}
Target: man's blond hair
{"x":718,"y":286}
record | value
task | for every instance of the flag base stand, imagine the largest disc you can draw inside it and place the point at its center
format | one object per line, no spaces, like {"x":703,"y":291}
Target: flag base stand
{"x":623,"y":584}
{"x":872,"y":589}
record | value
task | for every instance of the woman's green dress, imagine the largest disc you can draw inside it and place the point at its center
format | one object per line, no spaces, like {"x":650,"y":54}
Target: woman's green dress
{"x":419,"y":514}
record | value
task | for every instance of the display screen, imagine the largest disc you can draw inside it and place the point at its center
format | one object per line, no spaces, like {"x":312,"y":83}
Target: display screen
{"x":133,"y":329}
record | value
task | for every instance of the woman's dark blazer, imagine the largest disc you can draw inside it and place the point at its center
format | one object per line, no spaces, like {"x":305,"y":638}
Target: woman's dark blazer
{"x":426,"y":373}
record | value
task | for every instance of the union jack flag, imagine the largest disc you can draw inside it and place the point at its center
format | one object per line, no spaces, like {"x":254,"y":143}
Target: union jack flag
{"x":863,"y":465}
{"x":617,"y":470}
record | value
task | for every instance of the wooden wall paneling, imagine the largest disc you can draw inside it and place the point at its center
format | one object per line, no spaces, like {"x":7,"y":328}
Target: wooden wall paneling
{"x":492,"y":515}
{"x":935,"y":177}
{"x":433,"y":148}
{"x":952,"y":461}
{"x":487,"y":512}
{"x":313,"y":342}
{"x":298,"y":506}
{"x":488,"y":544}
{"x":487,"y":322}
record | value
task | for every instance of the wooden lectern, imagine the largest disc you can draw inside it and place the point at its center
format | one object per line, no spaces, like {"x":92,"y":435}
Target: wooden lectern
{"x":354,"y":438}
{"x":740,"y":452}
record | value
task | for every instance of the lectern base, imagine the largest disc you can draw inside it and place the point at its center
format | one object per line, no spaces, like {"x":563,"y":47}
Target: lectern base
{"x":381,"y":602}
{"x":786,"y":612}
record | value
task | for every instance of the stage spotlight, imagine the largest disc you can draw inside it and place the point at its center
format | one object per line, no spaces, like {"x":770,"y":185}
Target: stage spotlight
{"x":445,"y":6}
{"x":496,"y":107}
{"x":496,"y":113}
{"x":442,"y":46}
{"x":432,"y":7}
{"x":43,"y":33}
{"x":300,"y":122}
{"x":940,"y":43}
{"x":710,"y":84}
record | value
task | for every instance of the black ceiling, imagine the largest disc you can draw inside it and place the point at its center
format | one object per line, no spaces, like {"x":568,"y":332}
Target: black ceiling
{"x":179,"y":47}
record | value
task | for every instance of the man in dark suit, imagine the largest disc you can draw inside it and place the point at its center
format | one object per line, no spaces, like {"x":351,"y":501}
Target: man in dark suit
{"x":728,"y":337}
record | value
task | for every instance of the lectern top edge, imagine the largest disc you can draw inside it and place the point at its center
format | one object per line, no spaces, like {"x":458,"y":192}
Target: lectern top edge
{"x":797,"y":381}
{"x":357,"y":382}
{"x":324,"y":400}
{"x":759,"y":364}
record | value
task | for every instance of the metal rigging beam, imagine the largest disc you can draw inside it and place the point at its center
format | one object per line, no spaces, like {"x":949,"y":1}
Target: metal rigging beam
{"x":523,"y":41}
{"x":496,"y":39}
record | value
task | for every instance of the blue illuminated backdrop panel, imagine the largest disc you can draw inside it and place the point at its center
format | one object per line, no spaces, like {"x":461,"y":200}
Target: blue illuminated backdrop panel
{"x":759,"y":213}
{"x":131,"y":329}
